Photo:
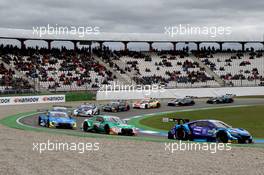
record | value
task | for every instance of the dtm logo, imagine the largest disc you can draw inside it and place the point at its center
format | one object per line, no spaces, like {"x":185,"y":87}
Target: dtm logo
{"x":5,"y":100}
{"x":26,"y":100}
{"x":53,"y":98}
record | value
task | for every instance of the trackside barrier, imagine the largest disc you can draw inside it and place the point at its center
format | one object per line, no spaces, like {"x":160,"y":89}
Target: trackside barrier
{"x":18,"y":100}
{"x":174,"y":93}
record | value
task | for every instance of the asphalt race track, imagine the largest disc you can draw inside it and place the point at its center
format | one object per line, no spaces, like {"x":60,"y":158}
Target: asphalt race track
{"x":200,"y":103}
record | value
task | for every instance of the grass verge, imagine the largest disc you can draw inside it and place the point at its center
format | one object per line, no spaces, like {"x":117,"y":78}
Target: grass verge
{"x":250,"y":118}
{"x":79,"y":96}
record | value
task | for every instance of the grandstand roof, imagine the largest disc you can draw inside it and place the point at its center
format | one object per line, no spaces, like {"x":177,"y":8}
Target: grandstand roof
{"x":7,"y":33}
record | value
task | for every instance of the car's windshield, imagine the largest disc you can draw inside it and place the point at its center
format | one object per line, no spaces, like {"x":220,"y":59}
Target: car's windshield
{"x":60,"y":109}
{"x":116,"y":120}
{"x":59,"y":114}
{"x":221,"y":124}
{"x":86,"y":108}
{"x":178,"y":99}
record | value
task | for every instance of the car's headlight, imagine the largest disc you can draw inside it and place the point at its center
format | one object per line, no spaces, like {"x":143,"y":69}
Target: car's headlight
{"x":135,"y":130}
{"x":53,"y":123}
{"x":233,"y":133}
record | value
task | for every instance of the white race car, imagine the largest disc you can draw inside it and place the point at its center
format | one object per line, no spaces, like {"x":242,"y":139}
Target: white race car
{"x":87,"y":110}
{"x":146,"y":104}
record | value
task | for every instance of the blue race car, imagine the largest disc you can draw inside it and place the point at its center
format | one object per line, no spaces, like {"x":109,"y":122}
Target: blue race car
{"x":209,"y":131}
{"x":57,"y":119}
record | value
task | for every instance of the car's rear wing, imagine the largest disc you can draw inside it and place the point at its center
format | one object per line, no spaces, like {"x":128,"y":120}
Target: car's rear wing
{"x":178,"y":120}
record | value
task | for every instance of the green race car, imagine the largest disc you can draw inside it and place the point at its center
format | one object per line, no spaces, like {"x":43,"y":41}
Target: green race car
{"x":109,"y":125}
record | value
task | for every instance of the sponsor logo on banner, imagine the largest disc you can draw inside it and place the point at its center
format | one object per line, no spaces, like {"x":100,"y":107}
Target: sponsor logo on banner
{"x":32,"y":99}
{"x":26,"y":100}
{"x":5,"y":100}
{"x":53,"y":98}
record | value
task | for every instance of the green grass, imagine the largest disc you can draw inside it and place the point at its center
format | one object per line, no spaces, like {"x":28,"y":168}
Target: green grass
{"x":79,"y":96}
{"x":250,"y":118}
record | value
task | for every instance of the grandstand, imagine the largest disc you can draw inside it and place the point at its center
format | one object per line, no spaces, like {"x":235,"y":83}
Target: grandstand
{"x":26,"y":69}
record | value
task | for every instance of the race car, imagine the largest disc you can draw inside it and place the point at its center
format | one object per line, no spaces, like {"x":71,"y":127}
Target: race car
{"x":147,"y":103}
{"x":57,"y":119}
{"x":209,"y":131}
{"x":86,"y":110}
{"x":116,"y":106}
{"x":181,"y":102}
{"x":108,"y":125}
{"x":221,"y":99}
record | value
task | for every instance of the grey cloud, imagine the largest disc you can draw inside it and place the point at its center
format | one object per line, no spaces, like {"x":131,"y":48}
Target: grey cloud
{"x":134,"y":16}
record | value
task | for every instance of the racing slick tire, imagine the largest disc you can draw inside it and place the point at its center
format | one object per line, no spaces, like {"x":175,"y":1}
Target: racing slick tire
{"x":181,"y":134}
{"x":158,"y":105}
{"x":146,"y":106}
{"x":98,"y":112}
{"x":230,"y":101}
{"x":48,"y":123}
{"x":222,"y":137}
{"x":85,"y":127}
{"x":128,"y":108}
{"x":39,"y":121}
{"x":107,"y":129}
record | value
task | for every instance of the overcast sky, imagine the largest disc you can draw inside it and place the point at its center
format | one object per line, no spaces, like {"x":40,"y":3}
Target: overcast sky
{"x":244,"y":16}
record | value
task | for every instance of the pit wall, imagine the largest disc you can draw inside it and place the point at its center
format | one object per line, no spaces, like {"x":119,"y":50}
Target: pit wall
{"x":174,"y":93}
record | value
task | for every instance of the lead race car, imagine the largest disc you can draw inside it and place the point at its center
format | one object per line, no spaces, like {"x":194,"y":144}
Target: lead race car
{"x":86,"y":110}
{"x":147,"y":103}
{"x":108,"y":125}
{"x":57,"y":119}
{"x":209,"y":131}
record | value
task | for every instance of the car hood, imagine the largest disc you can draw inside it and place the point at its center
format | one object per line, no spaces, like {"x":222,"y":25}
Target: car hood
{"x":62,"y":120}
{"x":238,"y":131}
